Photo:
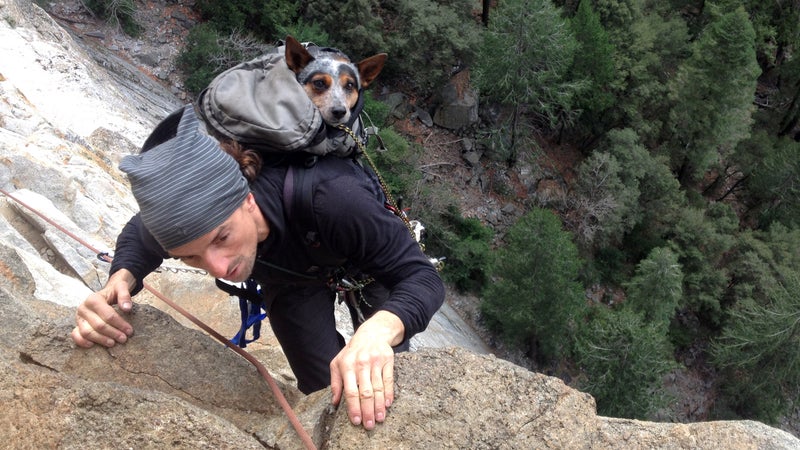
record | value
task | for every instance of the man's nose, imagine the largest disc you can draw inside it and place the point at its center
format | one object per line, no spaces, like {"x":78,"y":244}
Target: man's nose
{"x":215,"y":265}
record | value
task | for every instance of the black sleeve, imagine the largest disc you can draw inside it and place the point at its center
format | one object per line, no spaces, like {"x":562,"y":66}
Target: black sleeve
{"x":137,"y":251}
{"x":379,"y":243}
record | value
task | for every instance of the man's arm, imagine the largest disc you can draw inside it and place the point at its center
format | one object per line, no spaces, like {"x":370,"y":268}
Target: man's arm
{"x":379,"y":244}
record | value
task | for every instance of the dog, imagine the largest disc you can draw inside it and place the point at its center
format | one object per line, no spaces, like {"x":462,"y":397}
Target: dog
{"x":331,"y":80}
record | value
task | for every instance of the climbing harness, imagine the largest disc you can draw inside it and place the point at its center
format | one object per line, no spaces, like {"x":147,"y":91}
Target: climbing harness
{"x":304,"y":436}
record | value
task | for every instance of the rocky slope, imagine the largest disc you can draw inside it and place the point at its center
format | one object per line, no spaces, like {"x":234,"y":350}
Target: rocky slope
{"x":67,"y":115}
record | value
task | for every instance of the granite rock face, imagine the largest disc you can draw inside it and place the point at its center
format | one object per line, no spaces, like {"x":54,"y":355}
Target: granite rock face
{"x":67,"y":115}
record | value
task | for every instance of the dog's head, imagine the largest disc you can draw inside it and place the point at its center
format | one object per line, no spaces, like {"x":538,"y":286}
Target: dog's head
{"x":331,"y":80}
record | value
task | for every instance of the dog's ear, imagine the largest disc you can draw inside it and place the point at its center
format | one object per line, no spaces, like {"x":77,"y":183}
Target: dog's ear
{"x":297,"y":57}
{"x":368,"y":69}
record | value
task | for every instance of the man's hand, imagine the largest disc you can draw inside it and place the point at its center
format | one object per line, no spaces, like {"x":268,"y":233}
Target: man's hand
{"x":97,"y":322}
{"x":364,"y":370}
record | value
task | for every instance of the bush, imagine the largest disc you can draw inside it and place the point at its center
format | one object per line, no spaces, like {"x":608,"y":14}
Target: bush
{"x":465,"y":244}
{"x":201,"y":43}
{"x":118,"y":12}
{"x":207,"y":54}
{"x":264,"y":19}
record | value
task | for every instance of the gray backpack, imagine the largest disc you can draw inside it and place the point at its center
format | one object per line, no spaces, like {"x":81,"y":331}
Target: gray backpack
{"x":260,"y":104}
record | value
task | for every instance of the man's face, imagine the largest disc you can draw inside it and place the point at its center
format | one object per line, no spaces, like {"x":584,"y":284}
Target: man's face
{"x":228,"y":251}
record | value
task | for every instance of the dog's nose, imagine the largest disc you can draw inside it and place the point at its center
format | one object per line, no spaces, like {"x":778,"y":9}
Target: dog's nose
{"x":339,"y":112}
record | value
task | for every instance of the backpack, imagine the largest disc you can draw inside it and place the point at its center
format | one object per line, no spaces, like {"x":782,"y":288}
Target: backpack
{"x":260,"y":104}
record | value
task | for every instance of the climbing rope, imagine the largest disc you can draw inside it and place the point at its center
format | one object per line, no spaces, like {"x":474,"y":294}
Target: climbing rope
{"x":301,"y":432}
{"x":389,"y":198}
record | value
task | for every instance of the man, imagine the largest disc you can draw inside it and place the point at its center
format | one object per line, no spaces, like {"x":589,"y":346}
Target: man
{"x":196,"y":205}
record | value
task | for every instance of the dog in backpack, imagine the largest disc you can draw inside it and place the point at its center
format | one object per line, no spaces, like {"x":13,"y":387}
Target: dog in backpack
{"x":331,"y":80}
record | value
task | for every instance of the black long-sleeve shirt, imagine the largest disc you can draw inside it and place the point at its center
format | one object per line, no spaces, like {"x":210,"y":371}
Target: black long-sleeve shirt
{"x":351,"y":225}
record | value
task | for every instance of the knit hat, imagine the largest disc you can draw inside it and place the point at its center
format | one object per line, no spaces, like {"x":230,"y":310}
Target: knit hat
{"x":185,"y":185}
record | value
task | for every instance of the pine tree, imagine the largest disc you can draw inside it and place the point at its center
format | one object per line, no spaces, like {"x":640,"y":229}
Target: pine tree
{"x":656,"y":288}
{"x":713,"y":93}
{"x":526,"y":52}
{"x":623,"y":359}
{"x":534,"y":300}
{"x":594,"y":62}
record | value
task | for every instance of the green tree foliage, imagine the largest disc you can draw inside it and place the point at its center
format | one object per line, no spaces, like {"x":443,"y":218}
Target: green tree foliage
{"x":788,"y":98}
{"x":447,"y":31}
{"x":623,"y":359}
{"x":534,"y":300}
{"x":602,"y":201}
{"x":618,"y":187}
{"x":593,"y":62}
{"x":701,"y":238}
{"x":656,"y":289}
{"x":395,"y":156}
{"x":207,"y":53}
{"x":757,"y":352}
{"x":772,"y":177}
{"x":523,"y":60}
{"x":259,"y":17}
{"x":648,"y":57}
{"x":712,"y":113}
{"x":353,"y":25}
{"x":201,"y":42}
{"x":776,"y":25}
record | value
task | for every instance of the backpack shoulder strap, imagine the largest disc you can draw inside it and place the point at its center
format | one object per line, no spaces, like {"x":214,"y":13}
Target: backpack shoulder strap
{"x":298,"y":201}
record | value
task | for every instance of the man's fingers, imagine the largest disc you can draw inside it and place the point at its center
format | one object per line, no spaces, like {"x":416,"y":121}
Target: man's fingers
{"x":336,"y":383}
{"x":79,"y":340}
{"x":100,"y":323}
{"x":351,"y":397}
{"x":388,"y":383}
{"x":379,"y":390}
{"x":96,"y":333}
{"x":366,"y":397}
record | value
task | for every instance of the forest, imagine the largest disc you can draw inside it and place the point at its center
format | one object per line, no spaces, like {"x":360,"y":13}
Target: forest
{"x":683,"y":208}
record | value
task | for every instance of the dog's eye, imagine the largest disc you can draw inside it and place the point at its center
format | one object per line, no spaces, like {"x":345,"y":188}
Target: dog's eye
{"x":320,"y":85}
{"x":350,"y":86}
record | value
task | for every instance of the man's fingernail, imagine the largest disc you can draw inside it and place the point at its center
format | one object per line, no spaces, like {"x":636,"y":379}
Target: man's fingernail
{"x":379,"y":417}
{"x":357,"y":420}
{"x":122,"y":338}
{"x":126,"y":305}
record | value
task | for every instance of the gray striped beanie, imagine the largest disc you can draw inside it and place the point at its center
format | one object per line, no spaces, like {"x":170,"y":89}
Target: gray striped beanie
{"x":185,"y":186}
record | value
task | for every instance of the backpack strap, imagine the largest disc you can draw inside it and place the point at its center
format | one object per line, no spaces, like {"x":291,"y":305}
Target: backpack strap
{"x":298,"y":200}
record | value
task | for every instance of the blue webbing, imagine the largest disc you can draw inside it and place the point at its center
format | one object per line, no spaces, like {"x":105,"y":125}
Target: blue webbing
{"x":250,"y":313}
